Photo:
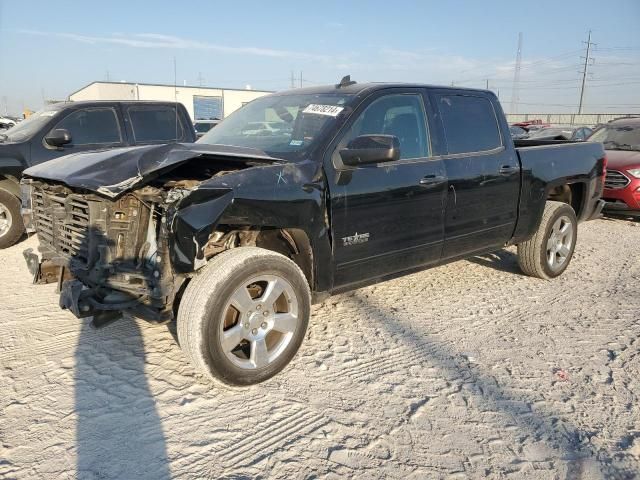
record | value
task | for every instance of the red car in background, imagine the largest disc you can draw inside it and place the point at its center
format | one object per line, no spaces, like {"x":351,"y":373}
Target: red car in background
{"x":621,"y":139}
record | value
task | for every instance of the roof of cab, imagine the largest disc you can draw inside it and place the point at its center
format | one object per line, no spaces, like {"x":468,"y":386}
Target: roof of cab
{"x":84,"y":103}
{"x":360,"y":88}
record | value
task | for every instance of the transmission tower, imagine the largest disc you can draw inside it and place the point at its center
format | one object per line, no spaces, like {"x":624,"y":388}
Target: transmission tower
{"x":587,"y":59}
{"x":516,"y":77}
{"x":200,"y":79}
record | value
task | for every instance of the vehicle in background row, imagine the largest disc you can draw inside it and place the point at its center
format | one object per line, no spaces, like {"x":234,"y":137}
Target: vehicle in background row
{"x":6,"y":123}
{"x":66,"y":128}
{"x":203,"y":126}
{"x":573,"y":133}
{"x":266,"y":128}
{"x":621,"y":140}
{"x":239,"y":233}
{"x":518,"y":133}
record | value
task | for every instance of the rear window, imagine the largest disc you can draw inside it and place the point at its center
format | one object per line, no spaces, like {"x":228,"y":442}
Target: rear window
{"x":151,"y":124}
{"x":470,"y":123}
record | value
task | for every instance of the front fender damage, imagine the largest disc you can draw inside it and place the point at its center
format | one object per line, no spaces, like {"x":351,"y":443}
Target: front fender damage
{"x":194,"y":220}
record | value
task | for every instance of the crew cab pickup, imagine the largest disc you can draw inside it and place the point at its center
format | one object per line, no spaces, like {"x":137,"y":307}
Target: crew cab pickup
{"x":65,"y":128}
{"x":237,"y":235}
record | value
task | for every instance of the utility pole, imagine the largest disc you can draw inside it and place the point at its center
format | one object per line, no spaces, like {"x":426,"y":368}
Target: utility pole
{"x":293,"y":80}
{"x":487,"y":87}
{"x":516,"y":77}
{"x":584,"y":71}
{"x":200,"y":79}
{"x":300,"y":78}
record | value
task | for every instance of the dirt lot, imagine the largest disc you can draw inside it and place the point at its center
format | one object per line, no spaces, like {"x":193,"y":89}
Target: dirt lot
{"x":467,"y":370}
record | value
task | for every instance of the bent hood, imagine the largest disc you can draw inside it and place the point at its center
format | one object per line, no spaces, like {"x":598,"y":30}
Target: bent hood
{"x":112,"y":172}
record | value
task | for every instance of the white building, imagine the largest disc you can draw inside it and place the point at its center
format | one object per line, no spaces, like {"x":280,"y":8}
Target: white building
{"x":202,"y":103}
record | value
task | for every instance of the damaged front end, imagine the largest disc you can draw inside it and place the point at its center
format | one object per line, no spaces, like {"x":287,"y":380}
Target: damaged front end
{"x":124,"y":231}
{"x":107,"y":256}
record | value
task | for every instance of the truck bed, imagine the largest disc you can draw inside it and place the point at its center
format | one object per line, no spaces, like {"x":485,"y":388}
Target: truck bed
{"x":550,"y":163}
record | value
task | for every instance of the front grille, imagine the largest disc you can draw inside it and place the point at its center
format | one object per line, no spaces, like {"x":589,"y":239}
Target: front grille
{"x":615,"y":180}
{"x":61,"y":221}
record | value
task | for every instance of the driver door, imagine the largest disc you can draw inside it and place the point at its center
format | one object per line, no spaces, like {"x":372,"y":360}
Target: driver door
{"x":387,"y":217}
{"x":90,"y":128}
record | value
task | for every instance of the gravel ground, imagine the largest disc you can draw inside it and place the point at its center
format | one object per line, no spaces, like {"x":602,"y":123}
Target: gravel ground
{"x":469,"y":370}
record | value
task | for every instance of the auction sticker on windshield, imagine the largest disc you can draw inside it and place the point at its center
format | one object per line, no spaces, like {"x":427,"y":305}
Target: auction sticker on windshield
{"x":330,"y":110}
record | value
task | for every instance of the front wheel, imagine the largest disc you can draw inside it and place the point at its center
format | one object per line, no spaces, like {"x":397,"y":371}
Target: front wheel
{"x":548,"y":253}
{"x":243,"y":317}
{"x":11,"y":226}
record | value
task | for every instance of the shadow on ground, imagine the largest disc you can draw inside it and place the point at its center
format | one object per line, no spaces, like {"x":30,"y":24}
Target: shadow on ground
{"x":119,"y":432}
{"x":575,"y":453}
{"x":502,"y":260}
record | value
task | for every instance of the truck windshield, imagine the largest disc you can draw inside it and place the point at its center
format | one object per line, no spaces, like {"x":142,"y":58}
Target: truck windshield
{"x":284,"y":126}
{"x":27,"y":128}
{"x":618,"y":137}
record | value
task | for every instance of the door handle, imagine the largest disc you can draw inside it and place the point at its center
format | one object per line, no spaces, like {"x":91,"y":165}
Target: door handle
{"x":508,"y":170}
{"x":432,"y":180}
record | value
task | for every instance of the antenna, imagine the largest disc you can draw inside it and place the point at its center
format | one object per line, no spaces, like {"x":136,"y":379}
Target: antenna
{"x":345,"y":82}
{"x":516,"y":77}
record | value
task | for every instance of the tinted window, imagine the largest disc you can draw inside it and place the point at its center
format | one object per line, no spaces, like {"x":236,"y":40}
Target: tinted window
{"x":92,"y":126}
{"x":399,"y":115}
{"x":154,"y":124}
{"x":470,"y":124}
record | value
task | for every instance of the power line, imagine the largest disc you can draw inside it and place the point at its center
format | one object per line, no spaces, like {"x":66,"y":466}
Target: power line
{"x":516,"y":76}
{"x":584,"y":71}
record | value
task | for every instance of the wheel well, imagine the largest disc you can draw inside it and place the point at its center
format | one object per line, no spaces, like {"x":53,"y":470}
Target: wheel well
{"x":290,"y":242}
{"x":10,"y":185}
{"x":571,"y":193}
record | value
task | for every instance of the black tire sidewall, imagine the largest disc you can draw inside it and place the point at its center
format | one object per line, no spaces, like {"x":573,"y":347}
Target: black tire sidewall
{"x":563,"y":210}
{"x":17,"y":227}
{"x":216,"y":360}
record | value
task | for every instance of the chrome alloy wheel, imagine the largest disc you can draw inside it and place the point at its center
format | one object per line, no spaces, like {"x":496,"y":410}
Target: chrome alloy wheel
{"x":259,"y":321}
{"x":5,"y":220}
{"x":559,"y":242}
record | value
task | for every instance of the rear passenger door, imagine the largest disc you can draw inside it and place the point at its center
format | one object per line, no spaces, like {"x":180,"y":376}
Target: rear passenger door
{"x":483,"y":173}
{"x":154,"y":124}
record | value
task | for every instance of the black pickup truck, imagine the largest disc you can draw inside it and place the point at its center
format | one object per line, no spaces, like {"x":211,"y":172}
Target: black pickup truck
{"x":65,"y":128}
{"x":238,"y":234}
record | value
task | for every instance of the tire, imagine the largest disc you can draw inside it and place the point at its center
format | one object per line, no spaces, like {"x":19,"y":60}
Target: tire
{"x":548,"y":253}
{"x":218,"y":309}
{"x":11,"y":226}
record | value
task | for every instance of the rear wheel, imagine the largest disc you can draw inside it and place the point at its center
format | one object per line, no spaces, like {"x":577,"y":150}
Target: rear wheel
{"x":548,"y":253}
{"x":11,"y":226}
{"x":243,"y":317}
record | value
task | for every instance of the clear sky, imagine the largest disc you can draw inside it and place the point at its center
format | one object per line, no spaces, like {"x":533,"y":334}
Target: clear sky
{"x":49,"y":49}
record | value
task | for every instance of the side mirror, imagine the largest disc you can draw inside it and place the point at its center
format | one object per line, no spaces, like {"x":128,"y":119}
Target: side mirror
{"x":367,"y":149}
{"x":58,"y":137}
